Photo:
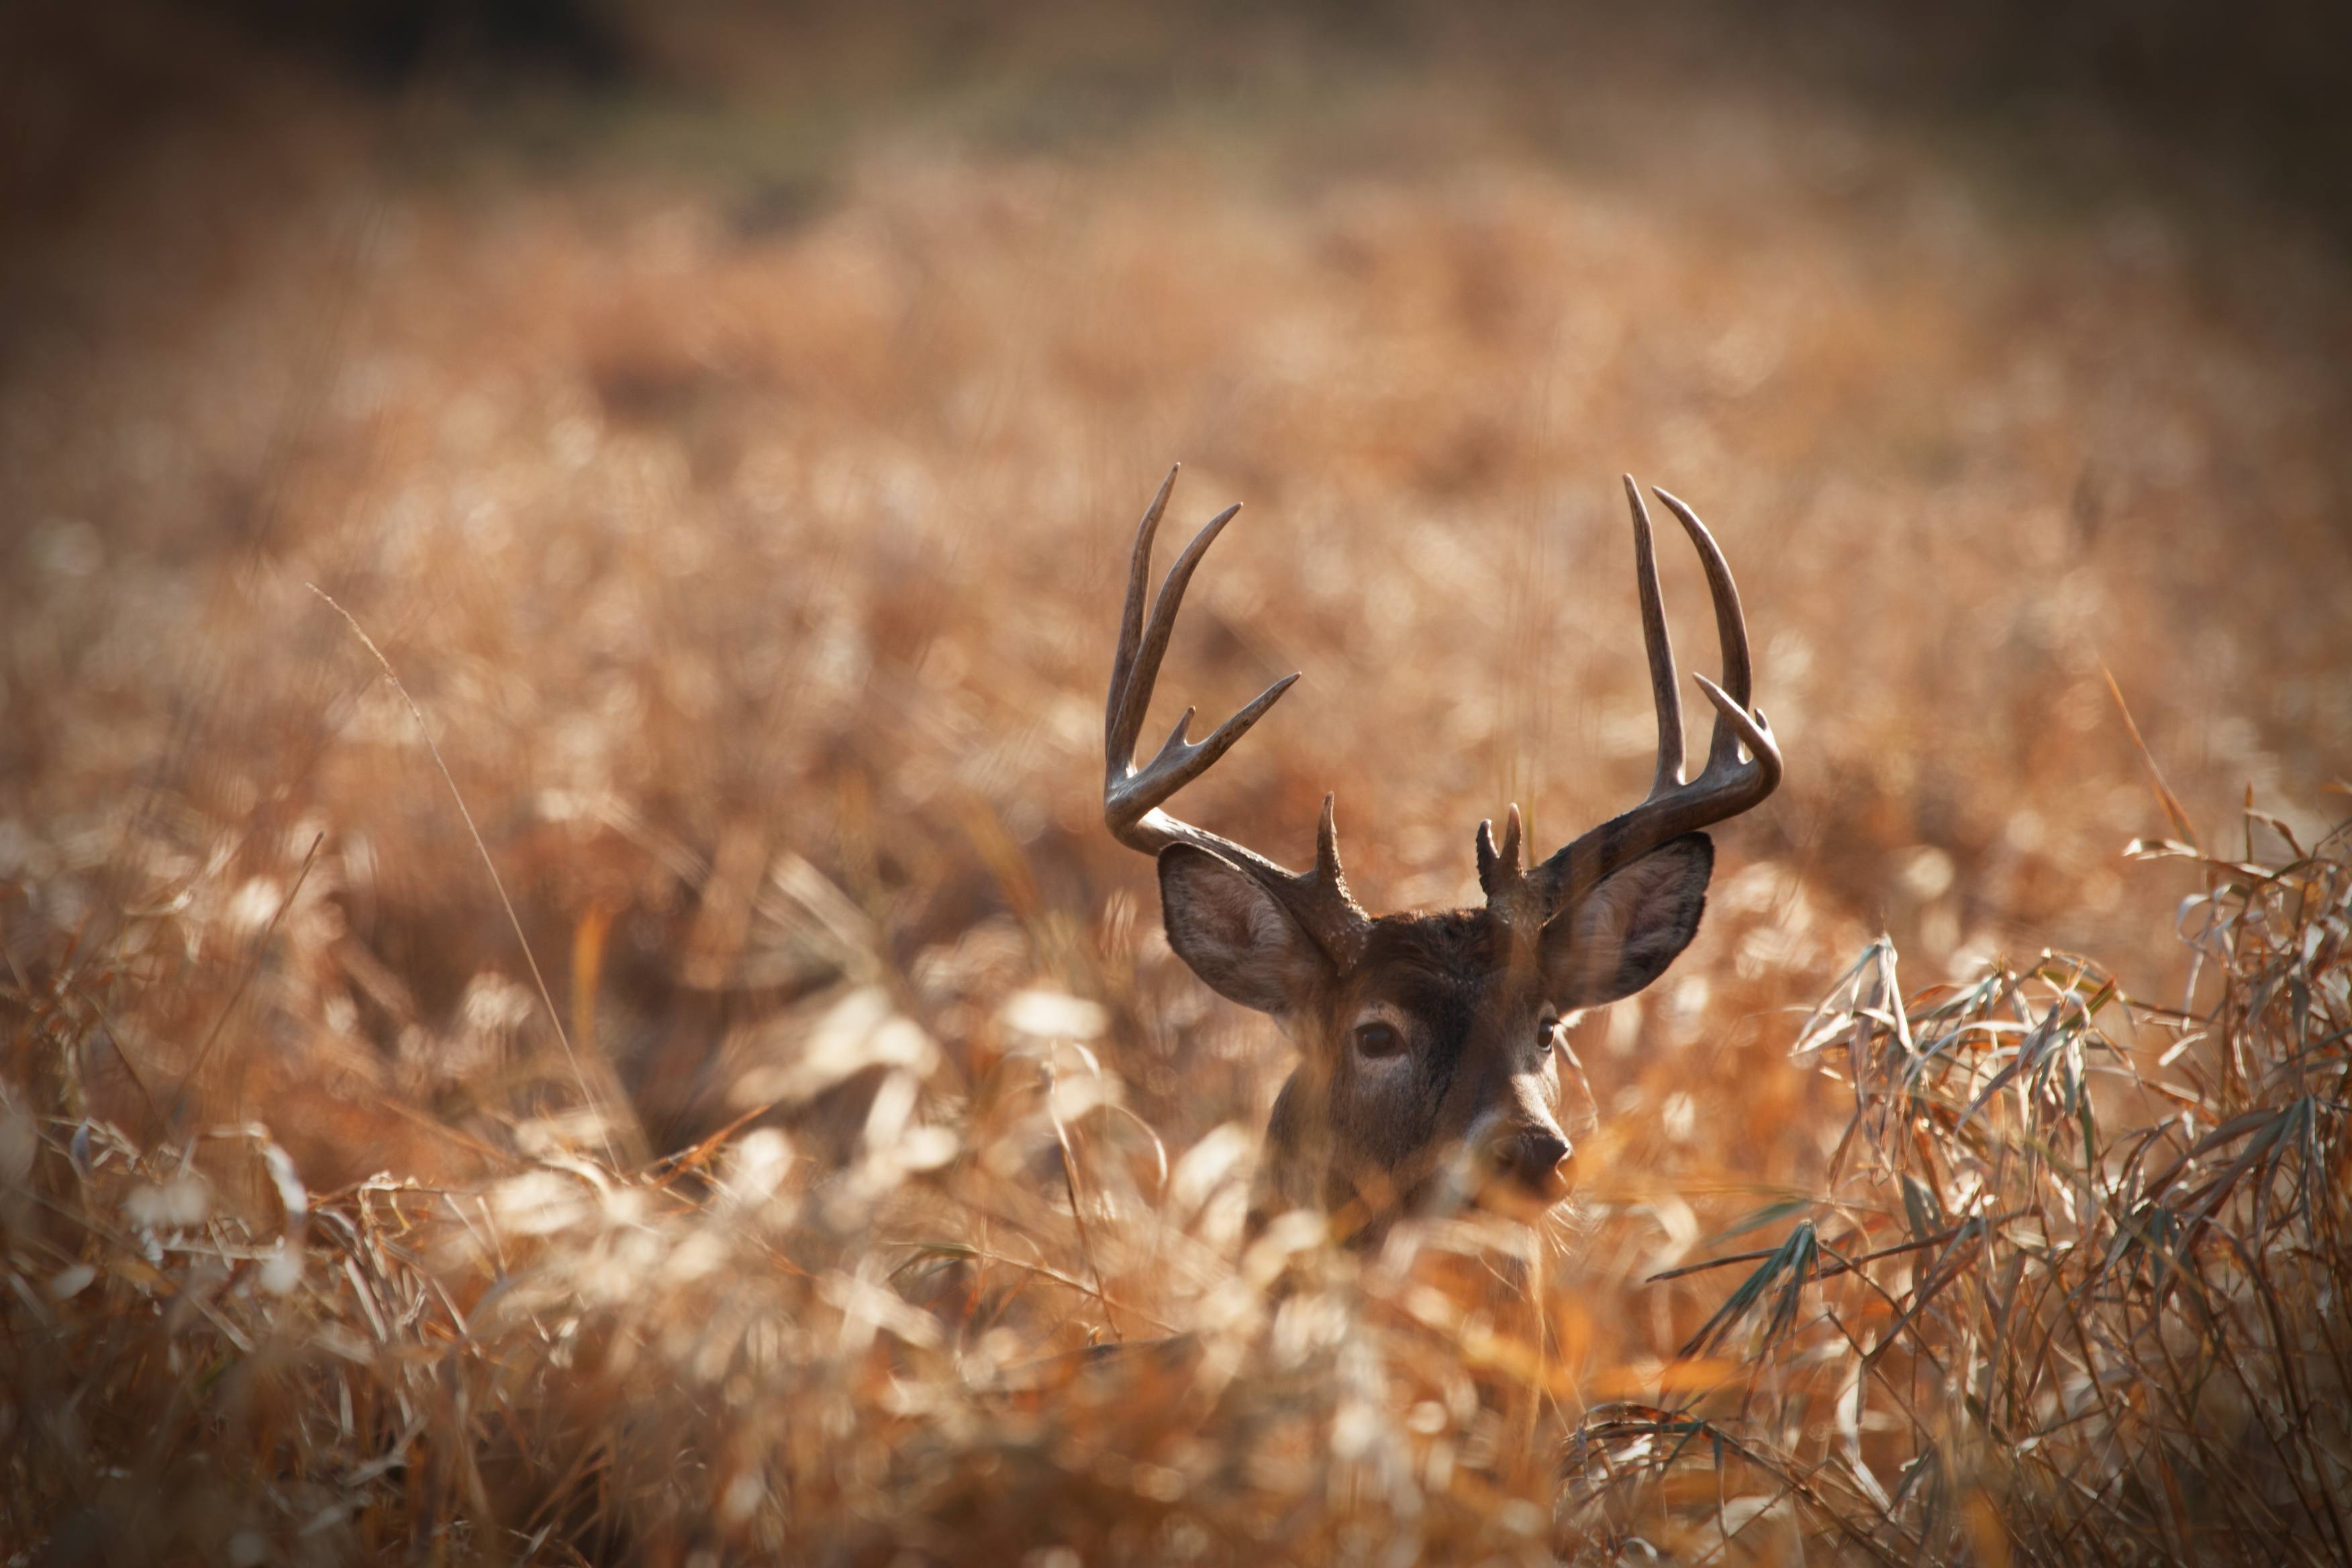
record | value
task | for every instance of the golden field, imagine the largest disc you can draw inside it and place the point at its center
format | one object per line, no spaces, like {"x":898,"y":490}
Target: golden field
{"x":700,"y":1144}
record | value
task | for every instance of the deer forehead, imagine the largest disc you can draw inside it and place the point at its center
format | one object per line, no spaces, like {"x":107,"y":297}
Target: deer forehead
{"x":1456,"y":966}
{"x":1449,"y":958}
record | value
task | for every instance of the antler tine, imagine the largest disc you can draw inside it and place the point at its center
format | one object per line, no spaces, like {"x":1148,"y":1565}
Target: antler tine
{"x":1179,"y":761}
{"x":1132,"y":797}
{"x":1748,"y":727}
{"x":1730,"y":628}
{"x":1664,"y":693}
{"x":1498,"y":869}
{"x":1328,"y":873}
{"x":1727,"y":785}
{"x":1121,"y":748}
{"x":1127,"y":705}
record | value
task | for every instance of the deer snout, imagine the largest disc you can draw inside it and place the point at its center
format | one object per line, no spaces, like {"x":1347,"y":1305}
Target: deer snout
{"x":1538,"y":1159}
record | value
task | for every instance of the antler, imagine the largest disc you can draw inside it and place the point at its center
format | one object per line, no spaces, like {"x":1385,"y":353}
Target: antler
{"x":1319,"y":899}
{"x":1724,"y":788}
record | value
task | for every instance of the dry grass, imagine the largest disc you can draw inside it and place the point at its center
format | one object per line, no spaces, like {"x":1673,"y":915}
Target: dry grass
{"x":740,"y":491}
{"x":2047,"y":1306}
{"x":2069,"y":1309}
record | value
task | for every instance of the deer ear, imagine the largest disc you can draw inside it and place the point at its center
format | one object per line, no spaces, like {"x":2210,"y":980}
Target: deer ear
{"x":1627,"y":930}
{"x":1232,"y":933}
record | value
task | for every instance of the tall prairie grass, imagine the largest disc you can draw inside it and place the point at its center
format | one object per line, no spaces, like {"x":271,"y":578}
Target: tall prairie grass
{"x":2070,"y":1289}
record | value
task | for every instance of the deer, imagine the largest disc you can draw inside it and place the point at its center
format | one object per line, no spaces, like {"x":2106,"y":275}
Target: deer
{"x":1429,"y":1043}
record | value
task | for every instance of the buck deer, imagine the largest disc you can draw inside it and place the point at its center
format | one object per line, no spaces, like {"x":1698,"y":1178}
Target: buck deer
{"x":1429,"y":1044}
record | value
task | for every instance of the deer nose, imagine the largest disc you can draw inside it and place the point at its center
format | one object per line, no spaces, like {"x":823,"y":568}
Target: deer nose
{"x":1539,"y":1159}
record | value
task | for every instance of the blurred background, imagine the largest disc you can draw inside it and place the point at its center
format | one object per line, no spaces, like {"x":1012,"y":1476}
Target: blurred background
{"x":730,"y":421}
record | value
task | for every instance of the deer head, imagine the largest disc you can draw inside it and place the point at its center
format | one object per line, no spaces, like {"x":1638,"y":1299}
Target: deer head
{"x":1429,"y":1044}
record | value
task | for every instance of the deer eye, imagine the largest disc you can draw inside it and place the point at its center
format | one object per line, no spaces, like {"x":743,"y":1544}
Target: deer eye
{"x":1547,"y":1033}
{"x":1377,"y":1039}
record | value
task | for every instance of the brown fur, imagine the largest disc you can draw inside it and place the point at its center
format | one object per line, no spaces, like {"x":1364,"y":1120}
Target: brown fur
{"x":1466,"y":1108}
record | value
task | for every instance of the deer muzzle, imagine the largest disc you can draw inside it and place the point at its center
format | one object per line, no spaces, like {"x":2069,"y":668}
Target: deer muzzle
{"x":1538,"y":1162}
